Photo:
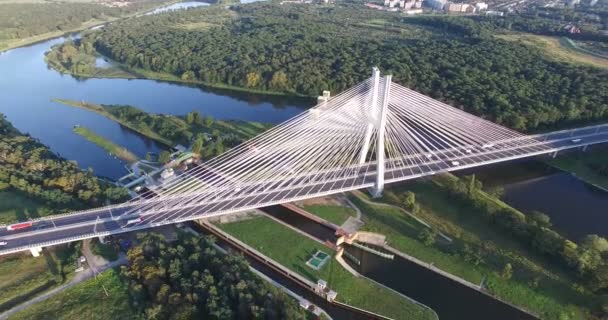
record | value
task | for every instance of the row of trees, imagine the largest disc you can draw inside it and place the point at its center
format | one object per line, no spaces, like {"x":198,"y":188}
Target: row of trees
{"x":589,"y":259}
{"x":190,"y":279}
{"x":307,"y":49}
{"x":191,"y":129}
{"x":30,"y":167}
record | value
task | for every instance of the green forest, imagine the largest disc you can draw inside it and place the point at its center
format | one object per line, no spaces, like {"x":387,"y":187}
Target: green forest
{"x":190,"y":279}
{"x":30,"y":168}
{"x":307,"y":49}
{"x":22,"y":20}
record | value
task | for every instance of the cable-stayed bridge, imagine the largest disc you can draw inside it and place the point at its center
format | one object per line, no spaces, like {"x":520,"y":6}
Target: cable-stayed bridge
{"x":374,"y":133}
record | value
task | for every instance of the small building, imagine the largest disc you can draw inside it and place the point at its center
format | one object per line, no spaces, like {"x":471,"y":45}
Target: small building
{"x":481,"y":6}
{"x":458,"y":7}
{"x":167,"y":174}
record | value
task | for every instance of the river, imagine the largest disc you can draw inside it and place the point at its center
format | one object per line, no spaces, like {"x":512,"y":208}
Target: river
{"x":575,"y":207}
{"x":27,"y":86}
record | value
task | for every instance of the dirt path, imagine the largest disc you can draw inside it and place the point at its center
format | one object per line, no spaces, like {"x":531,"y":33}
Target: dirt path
{"x":96,"y":266}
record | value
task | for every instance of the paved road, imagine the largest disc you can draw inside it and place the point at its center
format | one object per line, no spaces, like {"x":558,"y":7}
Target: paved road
{"x":114,"y":219}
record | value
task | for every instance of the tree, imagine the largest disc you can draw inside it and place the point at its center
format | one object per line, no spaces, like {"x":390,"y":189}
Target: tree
{"x":252,"y":79}
{"x":427,"y":236}
{"x":148,"y":156}
{"x":197,"y":146}
{"x":208,"y":121}
{"x":540,"y":219}
{"x":507,"y":271}
{"x":409,"y":199}
{"x":190,"y":117}
{"x":164,"y":156}
{"x":279,"y":81}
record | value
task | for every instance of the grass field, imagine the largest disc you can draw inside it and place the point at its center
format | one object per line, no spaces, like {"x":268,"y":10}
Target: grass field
{"x":293,"y":250}
{"x":106,"y":144}
{"x":332,"y":213}
{"x":579,"y":163}
{"x":555,"y":48}
{"x":537,"y":285}
{"x":86,"y":300}
{"x":22,"y":276}
{"x":16,"y":207}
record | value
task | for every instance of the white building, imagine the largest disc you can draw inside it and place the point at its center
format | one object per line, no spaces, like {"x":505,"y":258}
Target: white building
{"x":481,"y":6}
{"x":495,"y":13}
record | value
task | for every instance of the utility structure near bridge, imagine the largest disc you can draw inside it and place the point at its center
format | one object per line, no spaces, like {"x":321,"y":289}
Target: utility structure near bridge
{"x":375,"y":133}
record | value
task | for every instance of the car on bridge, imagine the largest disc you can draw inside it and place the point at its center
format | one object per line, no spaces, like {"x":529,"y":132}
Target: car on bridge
{"x":576,"y":140}
{"x":19,"y":226}
{"x":3,"y":243}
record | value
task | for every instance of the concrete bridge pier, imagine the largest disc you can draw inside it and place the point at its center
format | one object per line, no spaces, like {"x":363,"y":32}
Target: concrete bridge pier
{"x":36,"y":251}
{"x":102,"y":239}
{"x":585,"y":147}
{"x":554,"y":155}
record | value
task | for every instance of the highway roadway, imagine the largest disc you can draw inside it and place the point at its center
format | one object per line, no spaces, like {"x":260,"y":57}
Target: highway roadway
{"x":155,"y":212}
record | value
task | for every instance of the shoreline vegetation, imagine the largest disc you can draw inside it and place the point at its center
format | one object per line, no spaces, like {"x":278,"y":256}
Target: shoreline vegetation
{"x":10,"y":44}
{"x":213,"y":136}
{"x":112,"y":148}
{"x":118,"y":70}
{"x":102,"y":111}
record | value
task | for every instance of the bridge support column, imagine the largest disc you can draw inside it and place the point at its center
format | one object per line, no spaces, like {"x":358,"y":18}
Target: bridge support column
{"x":554,"y":155}
{"x":102,"y":239}
{"x":36,"y":251}
{"x":585,"y":147}
{"x":372,"y":115}
{"x":379,"y":186}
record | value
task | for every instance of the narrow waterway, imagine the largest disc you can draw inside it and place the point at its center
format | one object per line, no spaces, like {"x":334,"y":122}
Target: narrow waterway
{"x":575,"y":207}
{"x":450,"y":299}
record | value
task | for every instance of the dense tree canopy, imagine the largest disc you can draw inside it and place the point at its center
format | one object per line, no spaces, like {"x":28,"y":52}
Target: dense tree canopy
{"x":307,"y":49}
{"x":22,"y":20}
{"x":189,"y":279}
{"x":29,"y":167}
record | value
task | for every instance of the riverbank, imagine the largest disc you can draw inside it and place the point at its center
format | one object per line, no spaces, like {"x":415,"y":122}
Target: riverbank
{"x":292,"y":250}
{"x":586,"y":166}
{"x":119,"y":70}
{"x":102,"y":111}
{"x":17,"y":43}
{"x":479,"y":253}
{"x":106,"y":144}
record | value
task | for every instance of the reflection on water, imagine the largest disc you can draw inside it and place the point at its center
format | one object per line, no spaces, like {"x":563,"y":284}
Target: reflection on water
{"x":27,"y":87}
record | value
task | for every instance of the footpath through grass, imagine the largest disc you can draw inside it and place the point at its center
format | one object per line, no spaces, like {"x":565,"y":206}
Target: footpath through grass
{"x":86,"y":300}
{"x":292,"y":250}
{"x":109,"y":146}
{"x":332,"y":213}
{"x":478,"y":252}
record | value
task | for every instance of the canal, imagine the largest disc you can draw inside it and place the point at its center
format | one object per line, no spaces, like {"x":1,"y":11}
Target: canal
{"x":454,"y":301}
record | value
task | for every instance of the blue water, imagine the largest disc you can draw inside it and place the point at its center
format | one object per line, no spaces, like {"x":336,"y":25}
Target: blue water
{"x":27,"y":86}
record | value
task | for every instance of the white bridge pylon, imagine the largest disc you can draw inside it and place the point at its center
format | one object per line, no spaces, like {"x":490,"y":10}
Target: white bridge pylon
{"x":374,"y":132}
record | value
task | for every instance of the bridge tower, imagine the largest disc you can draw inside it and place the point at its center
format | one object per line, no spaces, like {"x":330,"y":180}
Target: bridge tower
{"x":377,"y":120}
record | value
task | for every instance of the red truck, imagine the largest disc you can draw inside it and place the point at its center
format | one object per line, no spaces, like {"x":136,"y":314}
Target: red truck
{"x":18,"y":226}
